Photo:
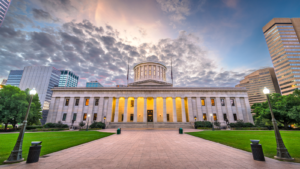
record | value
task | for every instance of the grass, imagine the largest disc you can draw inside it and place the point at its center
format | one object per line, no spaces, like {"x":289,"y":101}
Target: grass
{"x":51,"y":141}
{"x":241,"y":140}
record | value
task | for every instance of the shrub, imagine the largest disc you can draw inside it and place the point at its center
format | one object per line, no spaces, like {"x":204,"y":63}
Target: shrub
{"x":81,"y":124}
{"x":248,"y":125}
{"x":56,"y":125}
{"x":33,"y":127}
{"x":97,"y":125}
{"x":203,"y":124}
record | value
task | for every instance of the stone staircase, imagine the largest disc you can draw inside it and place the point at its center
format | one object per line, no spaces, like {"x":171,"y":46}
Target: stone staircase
{"x":149,"y":125}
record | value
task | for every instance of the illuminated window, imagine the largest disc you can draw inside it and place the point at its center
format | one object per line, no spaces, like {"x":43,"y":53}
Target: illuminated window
{"x":76,"y":102}
{"x":67,"y":102}
{"x":215,"y":117}
{"x":145,"y":71}
{"x":204,"y":116}
{"x":97,"y":102}
{"x":87,"y":102}
{"x":234,"y":117}
{"x":64,"y":117}
{"x":84,"y":116}
{"x":202,"y":102}
{"x":132,"y":103}
{"x":212,"y":102}
{"x":150,"y":70}
{"x":95,"y":117}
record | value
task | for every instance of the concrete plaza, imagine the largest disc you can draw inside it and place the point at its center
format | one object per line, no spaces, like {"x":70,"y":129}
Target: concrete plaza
{"x":152,"y":149}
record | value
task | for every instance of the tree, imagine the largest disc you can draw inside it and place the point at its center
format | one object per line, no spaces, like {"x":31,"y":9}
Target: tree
{"x":35,"y":113}
{"x":285,"y":108}
{"x":81,"y":124}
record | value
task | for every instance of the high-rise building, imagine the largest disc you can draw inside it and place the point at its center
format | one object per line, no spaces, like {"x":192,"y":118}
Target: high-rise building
{"x":68,"y":79}
{"x":282,"y":37}
{"x":255,"y":83}
{"x":14,"y":77}
{"x":43,"y":79}
{"x":4,"y":5}
{"x":4,"y":81}
{"x":93,"y":84}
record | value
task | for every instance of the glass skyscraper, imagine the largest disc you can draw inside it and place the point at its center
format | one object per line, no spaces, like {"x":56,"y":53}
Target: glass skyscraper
{"x":282,"y":37}
{"x":14,"y":77}
{"x":4,"y":5}
{"x":68,"y":79}
{"x":93,"y":84}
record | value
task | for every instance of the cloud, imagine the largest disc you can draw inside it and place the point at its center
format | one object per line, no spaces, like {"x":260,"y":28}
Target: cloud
{"x":178,"y":9}
{"x":42,"y":15}
{"x":230,"y":3}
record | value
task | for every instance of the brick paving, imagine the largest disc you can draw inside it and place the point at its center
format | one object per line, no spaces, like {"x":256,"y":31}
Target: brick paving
{"x":152,"y":149}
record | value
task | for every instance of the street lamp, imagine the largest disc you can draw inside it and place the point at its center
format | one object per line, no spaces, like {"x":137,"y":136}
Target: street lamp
{"x":16,"y":154}
{"x":104,"y":122}
{"x":195,"y":121}
{"x":212,"y":123}
{"x":282,"y":152}
{"x":87,"y":126}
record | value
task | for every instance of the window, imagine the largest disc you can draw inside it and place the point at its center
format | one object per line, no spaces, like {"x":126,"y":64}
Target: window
{"x":74,"y":116}
{"x":232,"y":102}
{"x":84,"y":117}
{"x":212,"y":102}
{"x":122,"y":117}
{"x":202,"y":102}
{"x":204,"y":116}
{"x":168,"y":117}
{"x":225,"y":117}
{"x":154,"y":70}
{"x":64,"y":117}
{"x":67,"y":102}
{"x":96,"y":102}
{"x":215,"y":117}
{"x":87,"y":102}
{"x":222,"y":102}
{"x":131,"y":117}
{"x":76,"y":102}
{"x":234,"y":117}
{"x":95,"y":117}
{"x":132,"y":103}
{"x":149,"y":70}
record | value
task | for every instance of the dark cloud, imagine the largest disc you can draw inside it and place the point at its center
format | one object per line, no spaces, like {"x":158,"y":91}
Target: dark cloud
{"x":41,"y":15}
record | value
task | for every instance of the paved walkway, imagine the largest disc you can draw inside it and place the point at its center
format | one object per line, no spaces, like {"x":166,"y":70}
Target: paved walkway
{"x":152,"y":149}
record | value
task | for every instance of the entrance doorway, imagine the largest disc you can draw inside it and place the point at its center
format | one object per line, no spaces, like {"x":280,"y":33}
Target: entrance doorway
{"x":149,"y":115}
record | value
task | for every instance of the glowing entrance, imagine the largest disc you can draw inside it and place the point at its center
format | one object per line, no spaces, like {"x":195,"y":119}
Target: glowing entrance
{"x":149,"y":115}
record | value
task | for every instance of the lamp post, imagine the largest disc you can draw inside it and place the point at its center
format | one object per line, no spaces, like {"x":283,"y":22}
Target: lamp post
{"x":104,"y":122}
{"x":16,"y":154}
{"x":195,"y":121}
{"x":87,"y":126}
{"x":212,"y":123}
{"x":282,"y":152}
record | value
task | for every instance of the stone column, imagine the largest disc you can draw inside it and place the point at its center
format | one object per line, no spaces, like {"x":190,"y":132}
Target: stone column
{"x":135,"y":110}
{"x":90,"y":109}
{"x":80,"y":109}
{"x":100,"y":109}
{"x":60,"y":109}
{"x":248,"y":110}
{"x":70,"y":110}
{"x":190,"y":110}
{"x":109,"y":110}
{"x":145,"y":110}
{"x":51,"y":111}
{"x":164,"y":110}
{"x":174,"y":109}
{"x":239,"y":109}
{"x":199,"y":109}
{"x":125,"y":110}
{"x":229,"y":110}
{"x":117,"y":110}
{"x":154,"y":110}
{"x":209,"y":111}
{"x":183,"y":110}
{"x":219,"y":110}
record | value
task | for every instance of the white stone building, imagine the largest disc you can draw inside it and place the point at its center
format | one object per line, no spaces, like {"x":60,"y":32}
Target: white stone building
{"x":149,"y":102}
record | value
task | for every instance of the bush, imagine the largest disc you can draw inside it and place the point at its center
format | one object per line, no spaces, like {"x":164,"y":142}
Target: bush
{"x":203,"y":124}
{"x":33,"y":127}
{"x":248,"y":125}
{"x":240,"y":123}
{"x":97,"y":125}
{"x":56,"y":125}
{"x":81,"y":124}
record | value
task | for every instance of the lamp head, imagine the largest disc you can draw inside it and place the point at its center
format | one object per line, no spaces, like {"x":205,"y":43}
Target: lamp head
{"x":1,"y":87}
{"x":32,"y":91}
{"x":266,"y":91}
{"x":89,"y":115}
{"x":210,"y":114}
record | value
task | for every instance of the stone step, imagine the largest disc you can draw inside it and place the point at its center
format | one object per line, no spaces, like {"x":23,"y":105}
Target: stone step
{"x":150,"y":125}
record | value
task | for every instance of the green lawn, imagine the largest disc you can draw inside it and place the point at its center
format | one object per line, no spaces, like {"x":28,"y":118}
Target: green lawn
{"x":51,"y":141}
{"x":241,"y":140}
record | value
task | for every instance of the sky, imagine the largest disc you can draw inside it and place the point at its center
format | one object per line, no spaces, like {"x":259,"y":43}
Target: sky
{"x":212,"y":43}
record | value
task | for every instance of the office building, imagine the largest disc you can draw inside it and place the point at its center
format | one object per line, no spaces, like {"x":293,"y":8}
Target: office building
{"x":68,"y":79}
{"x":255,"y":83}
{"x":4,"y":81}
{"x":149,"y":102}
{"x":14,"y":77}
{"x":282,"y":36}
{"x":93,"y":84}
{"x":43,"y":79}
{"x":4,"y":5}
{"x":121,"y":85}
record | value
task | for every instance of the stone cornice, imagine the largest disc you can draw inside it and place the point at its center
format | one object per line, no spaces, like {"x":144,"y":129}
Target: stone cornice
{"x":148,"y":89}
